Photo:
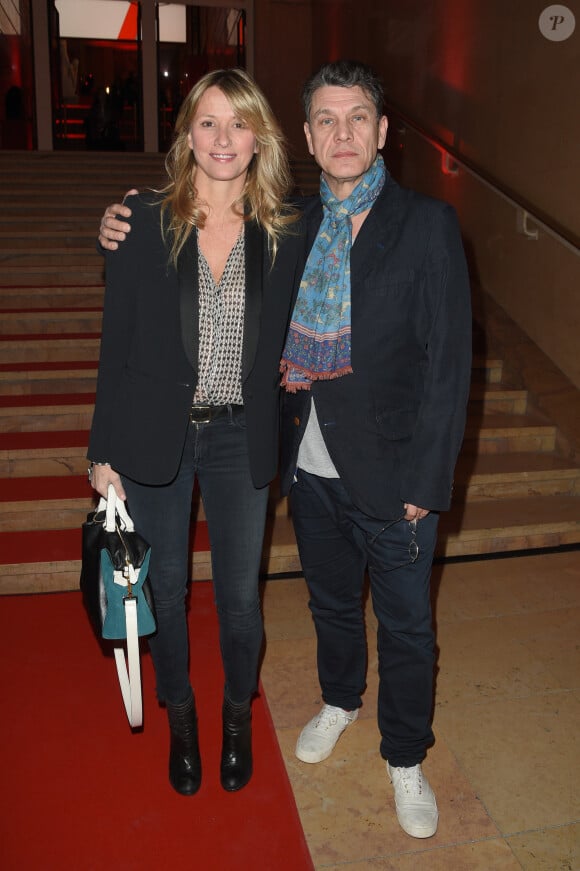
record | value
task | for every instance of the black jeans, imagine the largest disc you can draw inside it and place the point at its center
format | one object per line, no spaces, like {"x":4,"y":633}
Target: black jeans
{"x":337,"y":542}
{"x":217,"y":454}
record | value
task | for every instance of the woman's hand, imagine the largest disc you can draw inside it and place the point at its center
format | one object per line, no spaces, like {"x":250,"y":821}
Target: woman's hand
{"x":102,"y":476}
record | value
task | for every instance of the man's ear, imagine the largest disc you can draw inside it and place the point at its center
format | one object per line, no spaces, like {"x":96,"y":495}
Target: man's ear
{"x":383,"y":127}
{"x":308,"y":135}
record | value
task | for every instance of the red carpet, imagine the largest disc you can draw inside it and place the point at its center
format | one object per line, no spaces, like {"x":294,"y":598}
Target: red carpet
{"x":81,"y":792}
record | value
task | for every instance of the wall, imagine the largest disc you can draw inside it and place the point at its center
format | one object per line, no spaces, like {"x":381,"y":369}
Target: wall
{"x":479,"y":74}
{"x":283,"y":61}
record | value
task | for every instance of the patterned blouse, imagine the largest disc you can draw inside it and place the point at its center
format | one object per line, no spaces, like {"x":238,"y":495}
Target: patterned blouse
{"x":221,"y":329}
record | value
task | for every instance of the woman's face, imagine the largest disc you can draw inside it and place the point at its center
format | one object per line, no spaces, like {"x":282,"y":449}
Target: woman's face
{"x":223,"y":145}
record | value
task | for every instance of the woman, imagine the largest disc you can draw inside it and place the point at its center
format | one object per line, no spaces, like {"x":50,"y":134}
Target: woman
{"x":196,"y":309}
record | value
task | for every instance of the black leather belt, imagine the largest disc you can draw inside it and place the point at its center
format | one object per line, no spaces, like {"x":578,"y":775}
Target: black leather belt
{"x":207,"y":413}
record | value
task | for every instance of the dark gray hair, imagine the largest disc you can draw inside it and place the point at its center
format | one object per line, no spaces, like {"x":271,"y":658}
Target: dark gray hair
{"x":345,"y":74}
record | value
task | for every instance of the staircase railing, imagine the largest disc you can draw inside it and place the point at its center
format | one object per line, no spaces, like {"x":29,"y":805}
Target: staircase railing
{"x":452,"y":159}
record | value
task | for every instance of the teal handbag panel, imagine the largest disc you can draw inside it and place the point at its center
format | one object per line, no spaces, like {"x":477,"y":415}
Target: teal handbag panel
{"x":114,"y":622}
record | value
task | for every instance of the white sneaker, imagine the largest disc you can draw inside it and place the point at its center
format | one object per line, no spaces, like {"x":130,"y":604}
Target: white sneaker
{"x":318,"y":738}
{"x":415,"y":801}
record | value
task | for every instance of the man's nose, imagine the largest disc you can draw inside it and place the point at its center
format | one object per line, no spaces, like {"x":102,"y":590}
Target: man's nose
{"x":343,"y":130}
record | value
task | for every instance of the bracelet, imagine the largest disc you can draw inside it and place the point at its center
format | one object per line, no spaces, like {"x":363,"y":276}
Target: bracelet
{"x":91,"y":467}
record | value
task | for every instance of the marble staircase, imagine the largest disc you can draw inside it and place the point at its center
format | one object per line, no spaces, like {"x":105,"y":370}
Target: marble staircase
{"x":518,"y":477}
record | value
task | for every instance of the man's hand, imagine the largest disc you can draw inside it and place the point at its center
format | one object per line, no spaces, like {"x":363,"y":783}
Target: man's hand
{"x":102,"y":476}
{"x":112,"y":230}
{"x":414,"y":513}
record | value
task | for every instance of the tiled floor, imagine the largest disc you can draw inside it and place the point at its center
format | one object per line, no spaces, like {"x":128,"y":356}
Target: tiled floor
{"x":506,"y":762}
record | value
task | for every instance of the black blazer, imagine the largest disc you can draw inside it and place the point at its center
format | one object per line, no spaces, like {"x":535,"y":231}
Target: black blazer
{"x":394,"y":427}
{"x":149,"y":350}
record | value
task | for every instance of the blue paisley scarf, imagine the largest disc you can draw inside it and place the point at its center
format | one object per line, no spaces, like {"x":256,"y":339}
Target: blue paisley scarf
{"x":318,"y":345}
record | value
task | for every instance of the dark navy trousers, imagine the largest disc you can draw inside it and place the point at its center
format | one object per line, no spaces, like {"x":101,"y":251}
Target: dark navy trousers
{"x":337,"y":544}
{"x":217,"y":454}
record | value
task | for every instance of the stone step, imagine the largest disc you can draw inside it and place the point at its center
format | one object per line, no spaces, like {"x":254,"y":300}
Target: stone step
{"x":35,"y":454}
{"x":57,"y":274}
{"x":51,"y":321}
{"x":492,"y":433}
{"x":495,"y":398}
{"x":58,"y":297}
{"x":47,"y":237}
{"x":74,"y":412}
{"x":57,"y":502}
{"x":19,"y":379}
{"x":39,"y":349}
{"x":499,"y":433}
{"x":516,"y":524}
{"x":500,"y":525}
{"x":26,"y":258}
{"x":487,"y":369}
{"x":52,"y":380}
{"x":513,"y":475}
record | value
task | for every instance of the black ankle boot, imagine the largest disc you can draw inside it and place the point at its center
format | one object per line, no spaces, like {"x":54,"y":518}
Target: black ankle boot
{"x":184,"y":758}
{"x":236,"y":764}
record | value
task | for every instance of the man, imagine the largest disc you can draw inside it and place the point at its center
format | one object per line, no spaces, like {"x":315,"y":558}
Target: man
{"x":376,"y":374}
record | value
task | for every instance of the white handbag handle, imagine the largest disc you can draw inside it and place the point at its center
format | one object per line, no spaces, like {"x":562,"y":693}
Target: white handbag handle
{"x":116,"y":506}
{"x":129,"y":679}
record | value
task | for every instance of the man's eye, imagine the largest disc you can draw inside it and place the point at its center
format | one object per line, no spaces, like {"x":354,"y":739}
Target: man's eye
{"x":325,"y":122}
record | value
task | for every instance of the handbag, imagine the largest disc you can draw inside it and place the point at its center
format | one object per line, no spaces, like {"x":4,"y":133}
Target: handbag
{"x":116,"y":591}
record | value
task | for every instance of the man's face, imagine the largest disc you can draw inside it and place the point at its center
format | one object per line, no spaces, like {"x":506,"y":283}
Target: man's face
{"x":344,"y":134}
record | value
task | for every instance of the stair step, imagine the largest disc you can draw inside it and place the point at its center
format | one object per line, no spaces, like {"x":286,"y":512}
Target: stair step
{"x":532,"y":523}
{"x":498,"y":433}
{"x":487,"y":369}
{"x":500,"y":525}
{"x":491,"y":476}
{"x":49,"y":237}
{"x":48,"y":381}
{"x":74,"y":258}
{"x":39,"y":348}
{"x":51,"y":322}
{"x":73,"y":412}
{"x":38,"y":297}
{"x":32,"y":454}
{"x":495,"y":398}
{"x":58,"y":274}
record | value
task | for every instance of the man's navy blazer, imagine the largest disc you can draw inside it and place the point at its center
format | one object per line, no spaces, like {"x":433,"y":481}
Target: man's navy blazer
{"x":149,"y":350}
{"x":393,"y":427}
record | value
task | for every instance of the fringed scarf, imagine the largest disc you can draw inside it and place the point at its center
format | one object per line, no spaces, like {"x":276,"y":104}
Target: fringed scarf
{"x":318,"y":346}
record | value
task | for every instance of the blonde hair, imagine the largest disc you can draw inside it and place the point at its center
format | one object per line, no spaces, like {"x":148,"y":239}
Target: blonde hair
{"x":268,"y":180}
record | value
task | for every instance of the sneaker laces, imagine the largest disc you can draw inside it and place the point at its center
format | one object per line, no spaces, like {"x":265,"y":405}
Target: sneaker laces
{"x":328,"y":717}
{"x":411,"y":780}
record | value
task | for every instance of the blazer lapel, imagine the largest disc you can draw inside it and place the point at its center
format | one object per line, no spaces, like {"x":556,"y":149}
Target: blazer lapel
{"x":378,"y":232}
{"x":187,"y":272}
{"x":255,"y":264}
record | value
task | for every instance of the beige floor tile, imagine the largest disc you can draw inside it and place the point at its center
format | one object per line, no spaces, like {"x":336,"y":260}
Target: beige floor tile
{"x":509,"y":586}
{"x":347,"y":807}
{"x":549,"y":849}
{"x":483,"y":659}
{"x":285,"y":609}
{"x":492,"y":855}
{"x":522,"y":757}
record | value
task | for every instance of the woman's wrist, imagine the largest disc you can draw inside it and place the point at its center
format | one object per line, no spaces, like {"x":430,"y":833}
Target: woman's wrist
{"x":91,"y":468}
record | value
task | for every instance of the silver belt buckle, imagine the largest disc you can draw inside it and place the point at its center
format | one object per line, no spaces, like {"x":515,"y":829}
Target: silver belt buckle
{"x":200,"y":413}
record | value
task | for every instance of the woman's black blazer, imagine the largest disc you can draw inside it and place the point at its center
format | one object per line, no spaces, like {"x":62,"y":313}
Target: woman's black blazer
{"x":149,"y":349}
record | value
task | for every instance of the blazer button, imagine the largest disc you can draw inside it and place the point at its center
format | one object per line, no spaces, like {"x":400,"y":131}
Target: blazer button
{"x":296,"y":421}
